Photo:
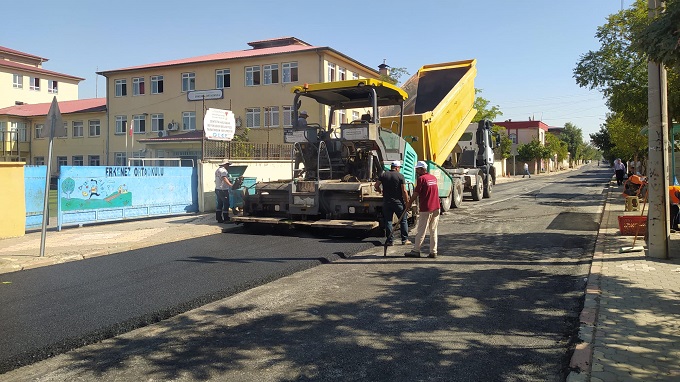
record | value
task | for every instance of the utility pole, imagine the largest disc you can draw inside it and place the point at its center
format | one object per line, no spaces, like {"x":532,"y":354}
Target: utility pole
{"x":657,"y":219}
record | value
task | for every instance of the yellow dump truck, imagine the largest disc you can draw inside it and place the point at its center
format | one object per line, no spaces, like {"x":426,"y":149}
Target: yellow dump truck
{"x":436,"y":115}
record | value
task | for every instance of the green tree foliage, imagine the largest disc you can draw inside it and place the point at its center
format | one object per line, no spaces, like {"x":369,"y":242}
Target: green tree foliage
{"x":661,"y":38}
{"x":603,"y":141}
{"x":505,"y":148}
{"x":573,"y":137}
{"x":395,"y":75}
{"x":556,"y":146}
{"x":628,"y":141}
{"x":484,"y":110}
{"x":533,"y":150}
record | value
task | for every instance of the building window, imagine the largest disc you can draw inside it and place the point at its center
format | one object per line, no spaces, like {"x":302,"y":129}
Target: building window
{"x":121,"y":88}
{"x":52,"y":86}
{"x":39,"y":130}
{"x":331,"y":72}
{"x":271,"y":74}
{"x":121,"y":124}
{"x":139,"y":122}
{"x":188,"y":82}
{"x":20,"y":130}
{"x":287,"y":116}
{"x":355,"y":76}
{"x":77,"y":160}
{"x":355,"y":115}
{"x":39,"y":161}
{"x":290,"y":72}
{"x":271,"y":116}
{"x":119,"y":159}
{"x":342,"y":74}
{"x":95,"y":128}
{"x":253,"y":117}
{"x":157,"y":123}
{"x":65,"y":131}
{"x":189,"y":120}
{"x":222,"y":79}
{"x":156,"y":84}
{"x":252,"y":75}
{"x":342,"y":116}
{"x":138,"y":86}
{"x":18,"y":81}
{"x":77,"y":129}
{"x":35,"y":83}
{"x":93,"y":160}
{"x":513,"y":137}
{"x":61,"y":161}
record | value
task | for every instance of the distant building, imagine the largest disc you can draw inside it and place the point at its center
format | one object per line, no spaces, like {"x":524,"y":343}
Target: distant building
{"x":523,"y":132}
{"x":254,"y":83}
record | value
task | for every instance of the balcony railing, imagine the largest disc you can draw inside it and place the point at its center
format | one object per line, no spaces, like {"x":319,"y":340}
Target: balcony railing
{"x":246,"y":150}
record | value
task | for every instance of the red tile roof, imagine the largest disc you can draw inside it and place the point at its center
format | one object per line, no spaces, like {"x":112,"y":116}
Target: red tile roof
{"x":219,"y":57}
{"x":65,"y":107}
{"x":18,"y":53}
{"x":34,"y":69}
{"x":523,"y":125}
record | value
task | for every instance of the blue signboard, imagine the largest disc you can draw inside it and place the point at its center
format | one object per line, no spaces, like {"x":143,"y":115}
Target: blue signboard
{"x":89,"y":194}
{"x":34,"y":188}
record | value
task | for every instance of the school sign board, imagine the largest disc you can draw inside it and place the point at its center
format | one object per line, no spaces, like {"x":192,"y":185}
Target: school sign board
{"x":219,"y":125}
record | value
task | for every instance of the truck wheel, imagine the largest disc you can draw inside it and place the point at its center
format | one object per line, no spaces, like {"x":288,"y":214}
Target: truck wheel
{"x":488,"y":187}
{"x":478,"y":189}
{"x":445,"y":203}
{"x":457,"y":192}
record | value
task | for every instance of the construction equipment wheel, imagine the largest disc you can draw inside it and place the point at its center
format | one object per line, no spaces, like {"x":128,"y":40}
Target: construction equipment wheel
{"x":478,"y":189}
{"x":488,"y":187}
{"x":457,"y":192}
{"x":445,"y":203}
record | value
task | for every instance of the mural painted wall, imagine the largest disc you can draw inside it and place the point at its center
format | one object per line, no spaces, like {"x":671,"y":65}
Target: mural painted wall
{"x":34,"y":184}
{"x":90,"y":194}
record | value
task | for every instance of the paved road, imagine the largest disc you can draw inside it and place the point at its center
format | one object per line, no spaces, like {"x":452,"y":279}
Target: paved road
{"x":500,"y":303}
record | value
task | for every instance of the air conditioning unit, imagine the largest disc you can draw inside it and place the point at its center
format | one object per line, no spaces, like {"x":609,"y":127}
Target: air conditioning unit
{"x":172,"y":126}
{"x":162,"y":133}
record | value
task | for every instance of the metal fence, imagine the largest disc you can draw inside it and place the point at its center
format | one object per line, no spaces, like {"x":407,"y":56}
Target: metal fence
{"x":246,"y":150}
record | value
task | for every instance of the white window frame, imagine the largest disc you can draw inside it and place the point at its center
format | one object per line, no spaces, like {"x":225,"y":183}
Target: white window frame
{"x":224,"y":76}
{"x":342,"y":116}
{"x":39,"y":130}
{"x":39,"y":161}
{"x":355,"y":76}
{"x":271,"y":117}
{"x":253,"y":117}
{"x":121,"y":124}
{"x":188,"y":120}
{"x":34,"y":83}
{"x":53,"y":86}
{"x":17,"y":81}
{"x":331,"y":72}
{"x":157,"y":84}
{"x":157,"y":122}
{"x":342,"y":73}
{"x":253,"y":77}
{"x":188,"y":82}
{"x":287,"y":116}
{"x":139,"y":126}
{"x":290,"y":72}
{"x":78,"y":160}
{"x":119,"y":159}
{"x":94,"y":160}
{"x":138,"y":86}
{"x":271,"y":74}
{"x":61,"y":161}
{"x":96,"y":125}
{"x":120,"y":87}
{"x":77,"y":129}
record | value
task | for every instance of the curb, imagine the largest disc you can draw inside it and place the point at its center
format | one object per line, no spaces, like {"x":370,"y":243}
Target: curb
{"x":582,"y":359}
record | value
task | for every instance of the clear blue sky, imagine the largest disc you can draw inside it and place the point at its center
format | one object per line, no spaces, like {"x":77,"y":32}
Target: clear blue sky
{"x":525,"y":49}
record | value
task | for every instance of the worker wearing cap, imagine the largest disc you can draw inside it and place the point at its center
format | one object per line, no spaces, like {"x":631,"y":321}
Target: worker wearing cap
{"x":222,"y":188}
{"x":428,"y":210}
{"x":393,"y":187}
{"x":302,"y":120}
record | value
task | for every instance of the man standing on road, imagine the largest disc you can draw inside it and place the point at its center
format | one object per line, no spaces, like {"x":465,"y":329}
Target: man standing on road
{"x":395,"y":198}
{"x":428,"y":216}
{"x":526,"y":170}
{"x":222,"y":187}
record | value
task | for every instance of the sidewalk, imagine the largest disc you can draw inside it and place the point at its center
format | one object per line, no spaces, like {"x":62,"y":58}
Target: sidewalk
{"x":630,"y":323}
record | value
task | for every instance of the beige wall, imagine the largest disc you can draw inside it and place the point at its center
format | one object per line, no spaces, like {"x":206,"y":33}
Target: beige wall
{"x":12,"y":202}
{"x":67,"y":89}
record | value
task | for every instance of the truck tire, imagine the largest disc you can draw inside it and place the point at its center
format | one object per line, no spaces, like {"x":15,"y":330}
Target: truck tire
{"x":457,"y":192}
{"x":478,"y":189}
{"x":445,"y":203}
{"x":488,"y":186}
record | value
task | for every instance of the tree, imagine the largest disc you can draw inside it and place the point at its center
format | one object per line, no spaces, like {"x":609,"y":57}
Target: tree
{"x":629,"y":142}
{"x":573,"y":137}
{"x":603,"y":141}
{"x":68,"y":186}
{"x":556,"y":146}
{"x":533,"y":150}
{"x":484,"y":111}
{"x":505,"y":148}
{"x":661,"y":38}
{"x":395,"y":75}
